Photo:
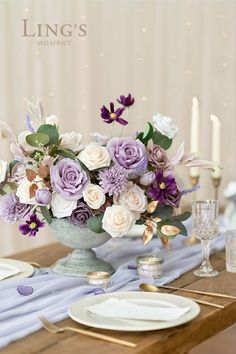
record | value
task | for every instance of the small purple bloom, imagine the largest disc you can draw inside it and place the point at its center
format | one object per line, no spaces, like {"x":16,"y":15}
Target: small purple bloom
{"x":113,"y":180}
{"x":32,"y":226}
{"x":128,"y":153}
{"x":68,"y":179}
{"x":147,"y":178}
{"x":12,"y":210}
{"x":164,"y":189}
{"x":113,"y":115}
{"x":126,"y":101}
{"x":80,"y":215}
{"x":192,"y":189}
{"x":43,"y":196}
{"x":24,"y":290}
{"x":132,"y":267}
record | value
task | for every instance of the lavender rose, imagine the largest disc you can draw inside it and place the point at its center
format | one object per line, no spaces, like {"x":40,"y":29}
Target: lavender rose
{"x":80,"y":215}
{"x":128,"y":153}
{"x":157,"y":157}
{"x":68,"y":179}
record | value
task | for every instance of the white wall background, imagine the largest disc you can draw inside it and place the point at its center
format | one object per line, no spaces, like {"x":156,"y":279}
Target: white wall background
{"x":162,"y":51}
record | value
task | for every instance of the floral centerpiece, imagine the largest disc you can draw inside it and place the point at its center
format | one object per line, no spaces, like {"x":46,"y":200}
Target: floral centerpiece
{"x":107,"y":185}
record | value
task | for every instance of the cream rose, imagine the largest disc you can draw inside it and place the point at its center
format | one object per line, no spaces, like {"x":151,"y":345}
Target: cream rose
{"x":52,"y":119}
{"x":165,"y":125}
{"x":95,"y":156}
{"x":117,"y":220}
{"x":23,"y":190}
{"x":133,"y":199}
{"x":22,"y":141}
{"x":3,"y":170}
{"x":62,"y":207}
{"x":94,"y":196}
{"x":71,"y":141}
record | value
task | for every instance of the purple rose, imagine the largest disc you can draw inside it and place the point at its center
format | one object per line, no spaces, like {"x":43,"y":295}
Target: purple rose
{"x":128,"y":153}
{"x":68,"y":179}
{"x":157,"y":157}
{"x":43,"y":196}
{"x":80,"y":215}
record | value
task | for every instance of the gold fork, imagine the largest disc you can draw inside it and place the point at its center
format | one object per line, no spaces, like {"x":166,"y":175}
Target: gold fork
{"x":52,"y":328}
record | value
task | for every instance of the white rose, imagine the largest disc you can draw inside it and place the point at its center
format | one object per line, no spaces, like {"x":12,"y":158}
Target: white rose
{"x":94,"y":196}
{"x":3,"y":170}
{"x":22,"y":141}
{"x":95,"y":156}
{"x":23,"y":190}
{"x":133,"y":198}
{"x":52,"y":119}
{"x":62,"y":207}
{"x":165,"y":125}
{"x":71,"y":141}
{"x":117,"y":220}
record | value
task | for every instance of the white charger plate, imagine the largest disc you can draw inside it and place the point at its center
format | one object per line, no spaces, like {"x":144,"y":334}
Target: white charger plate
{"x":77,"y":311}
{"x":26,"y":269}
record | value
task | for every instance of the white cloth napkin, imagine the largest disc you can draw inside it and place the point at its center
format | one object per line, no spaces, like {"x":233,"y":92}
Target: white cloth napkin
{"x":7,"y":270}
{"x":121,"y":308}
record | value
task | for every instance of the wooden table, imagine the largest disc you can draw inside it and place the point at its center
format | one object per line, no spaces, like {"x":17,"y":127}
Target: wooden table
{"x":176,"y":340}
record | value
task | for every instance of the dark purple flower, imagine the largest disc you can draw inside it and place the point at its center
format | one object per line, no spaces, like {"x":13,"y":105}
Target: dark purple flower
{"x":43,"y":196}
{"x":128,"y":153}
{"x":80,"y":215}
{"x":25,"y":290}
{"x":32,"y":226}
{"x":164,"y":189}
{"x":12,"y":210}
{"x":126,"y":101}
{"x":113,"y":115}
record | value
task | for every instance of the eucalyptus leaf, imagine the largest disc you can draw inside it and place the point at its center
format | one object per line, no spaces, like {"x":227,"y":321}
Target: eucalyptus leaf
{"x":140,"y":136}
{"x":148,"y":134}
{"x":163,"y":211}
{"x":46,"y":214}
{"x":65,"y":153}
{"x":12,"y":164}
{"x":95,"y":223}
{"x":182,"y":217}
{"x":37,"y":139}
{"x":51,"y":131}
{"x":140,"y":222}
{"x":161,"y":140}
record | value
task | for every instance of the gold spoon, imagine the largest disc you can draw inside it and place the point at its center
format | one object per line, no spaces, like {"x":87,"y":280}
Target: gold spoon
{"x":191,"y":291}
{"x":153,"y":288}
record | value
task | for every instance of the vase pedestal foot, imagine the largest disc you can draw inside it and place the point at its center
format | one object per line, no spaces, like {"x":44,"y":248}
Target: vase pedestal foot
{"x":80,"y":262}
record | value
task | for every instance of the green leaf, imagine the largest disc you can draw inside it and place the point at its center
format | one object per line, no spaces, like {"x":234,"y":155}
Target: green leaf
{"x":148,"y":134}
{"x":51,"y":131}
{"x":163,"y":211}
{"x":183,"y":216}
{"x":140,"y":222}
{"x":140,"y":136}
{"x":95,"y":223}
{"x":66,"y":153}
{"x":161,"y":140}
{"x":46,"y":214}
{"x":12,"y":164}
{"x":37,"y":139}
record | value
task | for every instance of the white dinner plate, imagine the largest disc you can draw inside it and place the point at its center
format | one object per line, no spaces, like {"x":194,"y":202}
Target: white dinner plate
{"x":136,"y":231}
{"x":25,"y":269}
{"x":78,"y":312}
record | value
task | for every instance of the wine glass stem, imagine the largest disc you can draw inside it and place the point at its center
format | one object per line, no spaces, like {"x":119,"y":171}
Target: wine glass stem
{"x":206,"y":253}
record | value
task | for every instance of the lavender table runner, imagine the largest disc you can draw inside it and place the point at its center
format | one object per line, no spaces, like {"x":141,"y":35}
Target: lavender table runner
{"x":52,"y":293}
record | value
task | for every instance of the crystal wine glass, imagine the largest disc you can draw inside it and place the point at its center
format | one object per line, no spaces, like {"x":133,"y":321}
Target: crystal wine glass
{"x":205,"y":226}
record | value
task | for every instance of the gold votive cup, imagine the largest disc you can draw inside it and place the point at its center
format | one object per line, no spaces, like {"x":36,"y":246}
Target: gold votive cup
{"x":149,"y":266}
{"x":99,"y":279}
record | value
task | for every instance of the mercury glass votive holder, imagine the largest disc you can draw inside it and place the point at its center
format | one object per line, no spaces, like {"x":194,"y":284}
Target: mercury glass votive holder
{"x":149,"y":266}
{"x":99,"y":279}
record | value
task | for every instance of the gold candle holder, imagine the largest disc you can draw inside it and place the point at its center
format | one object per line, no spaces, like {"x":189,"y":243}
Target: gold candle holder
{"x":216,"y":184}
{"x":192,"y":240}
